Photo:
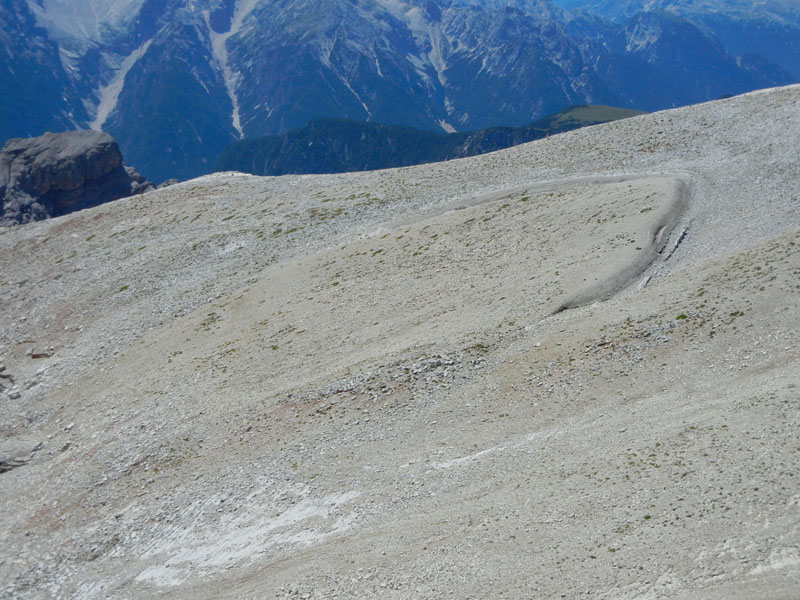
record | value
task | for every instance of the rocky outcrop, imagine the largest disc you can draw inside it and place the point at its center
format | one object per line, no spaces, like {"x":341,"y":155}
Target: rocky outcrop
{"x":58,"y":173}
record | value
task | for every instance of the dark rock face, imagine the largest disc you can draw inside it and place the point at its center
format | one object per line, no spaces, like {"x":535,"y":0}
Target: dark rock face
{"x":36,"y":93}
{"x":58,"y":173}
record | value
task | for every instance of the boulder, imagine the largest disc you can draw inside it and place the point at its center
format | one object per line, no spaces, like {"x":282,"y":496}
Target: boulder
{"x":58,"y":173}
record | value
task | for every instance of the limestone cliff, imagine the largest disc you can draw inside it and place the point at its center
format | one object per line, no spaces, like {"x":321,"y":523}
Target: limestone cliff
{"x":58,"y":173}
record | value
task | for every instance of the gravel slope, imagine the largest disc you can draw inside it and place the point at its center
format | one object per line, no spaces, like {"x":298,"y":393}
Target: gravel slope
{"x":565,"y":369}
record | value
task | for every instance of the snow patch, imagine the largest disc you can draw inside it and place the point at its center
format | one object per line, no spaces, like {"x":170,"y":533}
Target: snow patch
{"x":83,"y":19}
{"x":423,"y":31}
{"x":642,"y":39}
{"x":219,"y":48}
{"x":446,"y":126}
{"x":109,"y":94}
{"x":349,"y":87}
{"x":242,"y":536}
{"x":325,"y":50}
{"x":419,"y":66}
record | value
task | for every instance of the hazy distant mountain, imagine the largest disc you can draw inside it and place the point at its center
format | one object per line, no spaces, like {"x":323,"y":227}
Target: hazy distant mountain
{"x":339,"y":145}
{"x":769,"y":28}
{"x":175,"y":81}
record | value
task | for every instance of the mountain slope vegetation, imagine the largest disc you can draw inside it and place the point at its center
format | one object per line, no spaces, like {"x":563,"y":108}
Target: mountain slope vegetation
{"x":338,"y":146}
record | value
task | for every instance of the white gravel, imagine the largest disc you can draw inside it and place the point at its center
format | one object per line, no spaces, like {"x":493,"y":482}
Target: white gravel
{"x":337,"y":386}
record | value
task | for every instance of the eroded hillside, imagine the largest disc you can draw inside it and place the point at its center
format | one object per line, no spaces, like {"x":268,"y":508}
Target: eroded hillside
{"x":567,"y":368}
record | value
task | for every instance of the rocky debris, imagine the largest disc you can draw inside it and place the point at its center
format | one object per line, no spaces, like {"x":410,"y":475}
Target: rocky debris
{"x":422,"y":374}
{"x":58,"y":173}
{"x":7,"y":384}
{"x":6,"y":464}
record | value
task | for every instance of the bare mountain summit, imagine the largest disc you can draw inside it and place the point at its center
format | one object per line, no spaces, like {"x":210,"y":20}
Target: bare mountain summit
{"x":566,"y":369}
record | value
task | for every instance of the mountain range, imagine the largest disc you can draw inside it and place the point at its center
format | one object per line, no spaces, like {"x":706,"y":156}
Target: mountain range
{"x":175,"y":81}
{"x":340,"y":146}
{"x":768,"y":28}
